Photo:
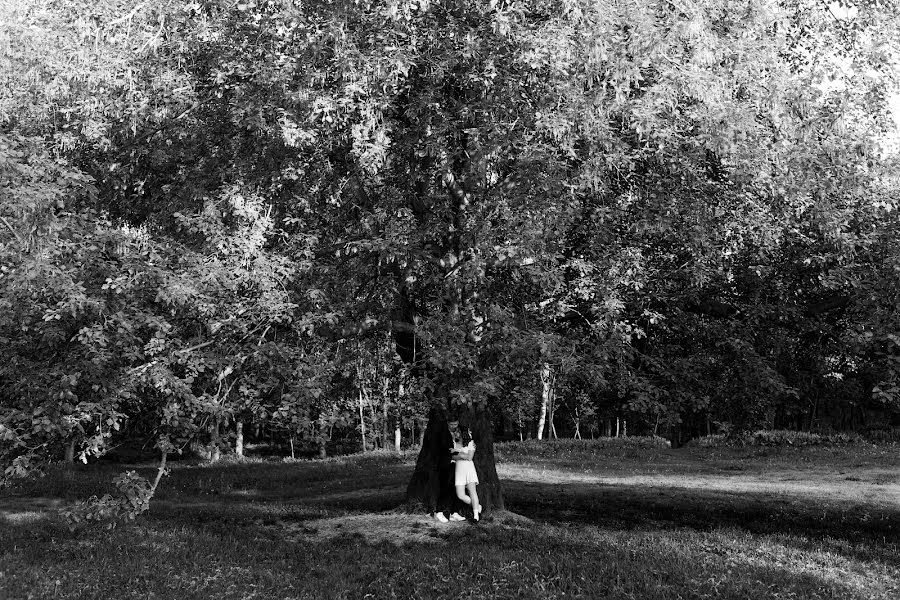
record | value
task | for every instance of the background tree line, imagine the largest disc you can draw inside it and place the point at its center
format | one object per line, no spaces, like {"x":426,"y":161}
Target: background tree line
{"x":302,"y":224}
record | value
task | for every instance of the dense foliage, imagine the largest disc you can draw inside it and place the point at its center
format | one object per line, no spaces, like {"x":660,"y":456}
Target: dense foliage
{"x":304,"y":222}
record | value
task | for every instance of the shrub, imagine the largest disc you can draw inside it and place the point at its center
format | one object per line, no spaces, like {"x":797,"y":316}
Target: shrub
{"x":571,"y":448}
{"x":133,"y":499}
{"x":882,"y":435}
{"x":777,"y":437}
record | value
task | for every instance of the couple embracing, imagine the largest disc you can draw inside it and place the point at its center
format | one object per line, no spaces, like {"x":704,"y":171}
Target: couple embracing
{"x":465,"y":479}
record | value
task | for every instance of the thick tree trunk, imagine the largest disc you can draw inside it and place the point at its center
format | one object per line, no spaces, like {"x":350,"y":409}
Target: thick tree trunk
{"x":490,"y":493}
{"x":431,"y":485}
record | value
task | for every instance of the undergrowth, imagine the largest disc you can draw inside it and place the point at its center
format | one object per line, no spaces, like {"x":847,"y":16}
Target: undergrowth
{"x":779,"y":437}
{"x":568,"y":448}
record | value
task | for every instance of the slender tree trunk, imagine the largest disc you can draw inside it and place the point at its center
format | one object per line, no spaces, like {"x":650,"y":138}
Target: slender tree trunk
{"x":814,"y":415}
{"x":545,"y":398}
{"x":239,"y":438}
{"x":215,"y":452}
{"x":70,"y":452}
{"x":398,"y":422}
{"x":291,"y":440}
{"x":385,"y":423}
{"x":376,"y":439}
{"x":519,"y":423}
{"x":362,"y":420}
{"x":617,"y":426}
{"x":551,"y":430}
{"x":159,"y":472}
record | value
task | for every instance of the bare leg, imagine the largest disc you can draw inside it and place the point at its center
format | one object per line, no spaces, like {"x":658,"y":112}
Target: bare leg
{"x":461,"y":494}
{"x":473,"y":495}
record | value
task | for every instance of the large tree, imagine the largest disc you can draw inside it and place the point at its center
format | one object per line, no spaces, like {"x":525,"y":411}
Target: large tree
{"x":633,"y":196}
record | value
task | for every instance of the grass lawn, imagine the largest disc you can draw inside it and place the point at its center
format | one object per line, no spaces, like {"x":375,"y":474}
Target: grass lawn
{"x":606,"y":522}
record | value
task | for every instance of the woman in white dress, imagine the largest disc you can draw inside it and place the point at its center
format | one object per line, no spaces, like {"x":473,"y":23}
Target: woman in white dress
{"x":466,"y":479}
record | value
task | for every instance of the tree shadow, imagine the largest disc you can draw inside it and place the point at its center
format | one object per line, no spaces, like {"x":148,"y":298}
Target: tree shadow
{"x":486,"y":561}
{"x":854,"y":530}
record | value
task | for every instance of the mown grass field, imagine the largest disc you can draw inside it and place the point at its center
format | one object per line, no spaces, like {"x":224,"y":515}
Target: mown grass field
{"x":606,"y":521}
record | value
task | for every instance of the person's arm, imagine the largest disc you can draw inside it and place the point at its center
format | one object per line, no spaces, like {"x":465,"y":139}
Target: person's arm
{"x":467,"y":453}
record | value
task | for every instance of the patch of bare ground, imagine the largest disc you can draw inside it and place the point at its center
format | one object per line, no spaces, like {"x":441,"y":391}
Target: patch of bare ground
{"x":397,"y":527}
{"x":20,"y":510}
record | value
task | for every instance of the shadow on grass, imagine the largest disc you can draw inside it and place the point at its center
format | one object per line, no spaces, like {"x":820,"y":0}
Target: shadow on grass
{"x":858,"y":530}
{"x":223,"y":531}
{"x":176,"y":560}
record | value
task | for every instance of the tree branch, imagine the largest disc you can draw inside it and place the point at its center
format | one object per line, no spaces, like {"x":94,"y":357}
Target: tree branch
{"x":14,"y":232}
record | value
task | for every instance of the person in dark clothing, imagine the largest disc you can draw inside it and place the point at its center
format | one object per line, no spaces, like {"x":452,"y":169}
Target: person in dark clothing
{"x":447,"y":474}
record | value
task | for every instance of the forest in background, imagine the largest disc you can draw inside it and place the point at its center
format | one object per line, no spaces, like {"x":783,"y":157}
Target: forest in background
{"x":304,"y":223}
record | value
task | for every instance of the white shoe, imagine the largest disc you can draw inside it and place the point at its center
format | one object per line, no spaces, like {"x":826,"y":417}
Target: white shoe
{"x":440,"y":517}
{"x":457,"y":517}
{"x":476,"y":512}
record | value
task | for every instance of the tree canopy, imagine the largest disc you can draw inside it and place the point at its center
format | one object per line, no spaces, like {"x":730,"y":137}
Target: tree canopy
{"x":318,"y":217}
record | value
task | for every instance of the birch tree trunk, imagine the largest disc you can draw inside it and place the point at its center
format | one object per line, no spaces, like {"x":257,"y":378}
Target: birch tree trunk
{"x":362,"y":420}
{"x":551,"y":411}
{"x":239,"y":438}
{"x":546,"y":386}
